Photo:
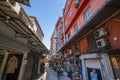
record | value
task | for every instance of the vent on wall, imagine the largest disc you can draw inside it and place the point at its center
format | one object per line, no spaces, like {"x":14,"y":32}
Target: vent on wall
{"x":100,"y":33}
{"x":70,"y":51}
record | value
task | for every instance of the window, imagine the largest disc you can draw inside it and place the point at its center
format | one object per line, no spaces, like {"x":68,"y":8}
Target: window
{"x":71,"y":12}
{"x":67,"y":37}
{"x":68,"y":2}
{"x":75,"y":28}
{"x":77,"y":2}
{"x":87,"y":14}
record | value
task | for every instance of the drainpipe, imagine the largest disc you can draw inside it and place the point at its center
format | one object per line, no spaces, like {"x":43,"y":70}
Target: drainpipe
{"x":63,"y":20}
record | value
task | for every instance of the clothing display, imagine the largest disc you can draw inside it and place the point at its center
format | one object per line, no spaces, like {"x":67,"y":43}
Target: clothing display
{"x":12,"y":64}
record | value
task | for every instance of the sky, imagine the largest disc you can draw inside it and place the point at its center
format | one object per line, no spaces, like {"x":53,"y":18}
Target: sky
{"x":47,"y":13}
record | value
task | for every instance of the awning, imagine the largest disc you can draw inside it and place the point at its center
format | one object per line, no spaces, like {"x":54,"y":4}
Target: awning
{"x":20,"y":24}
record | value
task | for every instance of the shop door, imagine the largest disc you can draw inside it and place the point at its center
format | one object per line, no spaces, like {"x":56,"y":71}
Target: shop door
{"x":12,"y":68}
{"x":115,"y":60}
{"x":93,"y":64}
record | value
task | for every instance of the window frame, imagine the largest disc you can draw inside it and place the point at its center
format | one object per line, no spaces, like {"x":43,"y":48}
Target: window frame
{"x":71,"y":12}
{"x":76,"y":28}
{"x":87,"y":14}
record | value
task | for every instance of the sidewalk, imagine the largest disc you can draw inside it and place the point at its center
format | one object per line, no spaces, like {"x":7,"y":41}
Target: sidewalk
{"x":51,"y":75}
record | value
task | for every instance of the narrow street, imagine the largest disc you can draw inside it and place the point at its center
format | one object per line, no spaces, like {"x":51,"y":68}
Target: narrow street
{"x":50,"y":74}
{"x":59,"y":39}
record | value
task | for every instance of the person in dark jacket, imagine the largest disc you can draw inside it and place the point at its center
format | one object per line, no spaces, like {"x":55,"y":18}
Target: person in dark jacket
{"x":69,"y":74}
{"x":42,"y":67}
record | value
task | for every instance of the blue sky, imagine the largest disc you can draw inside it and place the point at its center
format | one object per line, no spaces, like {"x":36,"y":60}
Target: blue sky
{"x":47,"y":13}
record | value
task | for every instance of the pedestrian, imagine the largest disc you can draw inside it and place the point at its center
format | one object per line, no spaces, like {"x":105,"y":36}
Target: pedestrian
{"x":54,"y":66}
{"x":42,"y":67}
{"x":69,"y":74}
{"x":93,"y":75}
{"x":58,"y":72}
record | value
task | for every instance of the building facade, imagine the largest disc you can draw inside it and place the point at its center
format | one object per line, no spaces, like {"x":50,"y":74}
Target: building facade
{"x":90,"y":37}
{"x":20,"y":47}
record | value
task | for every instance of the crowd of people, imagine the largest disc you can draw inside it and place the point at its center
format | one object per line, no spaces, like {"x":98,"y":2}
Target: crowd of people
{"x":72,"y":73}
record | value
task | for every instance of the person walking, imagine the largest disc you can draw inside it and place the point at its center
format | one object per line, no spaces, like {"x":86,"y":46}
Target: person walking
{"x":42,"y":67}
{"x":58,"y":72}
{"x":54,"y":66}
{"x":69,"y":74}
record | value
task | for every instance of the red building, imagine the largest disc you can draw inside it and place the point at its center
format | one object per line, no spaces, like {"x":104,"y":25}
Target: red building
{"x":56,"y":40}
{"x":90,"y":35}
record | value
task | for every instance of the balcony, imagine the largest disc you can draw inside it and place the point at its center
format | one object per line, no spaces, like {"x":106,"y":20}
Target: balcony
{"x":10,"y":7}
{"x":25,"y":18}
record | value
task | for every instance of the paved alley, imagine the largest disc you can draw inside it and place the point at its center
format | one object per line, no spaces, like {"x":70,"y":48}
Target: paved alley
{"x":52,"y":75}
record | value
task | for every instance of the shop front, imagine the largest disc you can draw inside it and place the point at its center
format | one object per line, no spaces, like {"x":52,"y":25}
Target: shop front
{"x":98,"y":62}
{"x":12,"y":66}
{"x":115,"y":62}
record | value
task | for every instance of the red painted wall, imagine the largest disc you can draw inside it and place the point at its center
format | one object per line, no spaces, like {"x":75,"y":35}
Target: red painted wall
{"x":84,"y":45}
{"x":95,"y":6}
{"x":51,"y":42}
{"x":113,"y":29}
{"x":58,"y":34}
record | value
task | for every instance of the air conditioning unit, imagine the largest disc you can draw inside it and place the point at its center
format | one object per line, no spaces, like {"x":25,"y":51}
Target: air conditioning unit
{"x":101,"y":43}
{"x":61,"y":32}
{"x":61,"y":22}
{"x":70,"y":51}
{"x":77,"y":2}
{"x":100,"y":32}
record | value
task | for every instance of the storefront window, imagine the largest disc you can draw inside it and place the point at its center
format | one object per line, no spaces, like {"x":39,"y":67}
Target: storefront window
{"x":115,"y":60}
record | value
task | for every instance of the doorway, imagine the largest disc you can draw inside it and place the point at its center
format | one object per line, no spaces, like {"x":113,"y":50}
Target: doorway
{"x":93,"y":64}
